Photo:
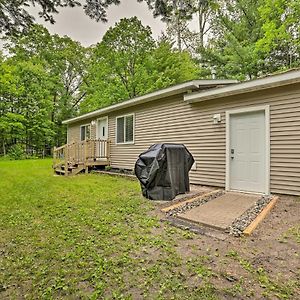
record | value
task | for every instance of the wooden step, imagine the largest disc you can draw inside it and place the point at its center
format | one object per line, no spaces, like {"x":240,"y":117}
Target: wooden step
{"x":60,"y":171}
{"x":77,"y":170}
{"x":72,"y":168}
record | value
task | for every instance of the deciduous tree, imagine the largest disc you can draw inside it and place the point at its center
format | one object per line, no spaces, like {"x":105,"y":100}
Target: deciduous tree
{"x":65,"y":62}
{"x":128,"y":63}
{"x":279,"y":45}
{"x":117,"y":69}
{"x":25,"y":104}
{"x":15,"y":16}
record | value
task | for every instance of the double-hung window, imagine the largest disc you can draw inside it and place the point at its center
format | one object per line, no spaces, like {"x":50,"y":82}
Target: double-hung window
{"x":125,"y":129}
{"x":85,"y":132}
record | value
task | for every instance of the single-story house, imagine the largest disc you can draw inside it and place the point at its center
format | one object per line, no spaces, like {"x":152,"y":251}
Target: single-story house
{"x":243,"y":136}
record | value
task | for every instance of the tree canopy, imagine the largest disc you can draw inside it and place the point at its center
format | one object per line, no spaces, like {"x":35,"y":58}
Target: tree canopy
{"x":251,"y":38}
{"x":128,"y":63}
{"x":47,"y":78}
{"x":279,"y":44}
{"x":40,"y":82}
{"x":15,"y":16}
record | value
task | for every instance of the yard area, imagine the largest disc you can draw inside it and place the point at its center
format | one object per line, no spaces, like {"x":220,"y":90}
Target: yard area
{"x":94,"y":236}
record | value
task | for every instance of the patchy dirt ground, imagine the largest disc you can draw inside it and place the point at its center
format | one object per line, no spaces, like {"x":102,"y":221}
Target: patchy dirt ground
{"x":265,"y":264}
{"x":95,"y":237}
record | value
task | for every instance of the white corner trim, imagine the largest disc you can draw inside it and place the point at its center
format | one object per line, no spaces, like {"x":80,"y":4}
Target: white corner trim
{"x":227,"y":161}
{"x":266,"y":109}
{"x":268,"y":148}
{"x":68,"y":134}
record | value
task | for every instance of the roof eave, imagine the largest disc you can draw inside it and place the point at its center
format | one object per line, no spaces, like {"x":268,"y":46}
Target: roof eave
{"x":170,"y":91}
{"x":244,"y":87}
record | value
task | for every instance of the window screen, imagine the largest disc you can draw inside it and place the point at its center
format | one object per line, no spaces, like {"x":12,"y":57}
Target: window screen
{"x":85,"y":132}
{"x":129,"y":128}
{"x":82,"y":133}
{"x":125,"y":129}
{"x":120,"y":130}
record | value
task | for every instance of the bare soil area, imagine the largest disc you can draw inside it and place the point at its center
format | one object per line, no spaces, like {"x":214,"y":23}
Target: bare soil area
{"x":263,"y":265}
{"x":95,"y":237}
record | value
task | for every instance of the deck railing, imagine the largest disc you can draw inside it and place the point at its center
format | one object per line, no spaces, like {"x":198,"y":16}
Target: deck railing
{"x":59,"y":156}
{"x":84,"y":152}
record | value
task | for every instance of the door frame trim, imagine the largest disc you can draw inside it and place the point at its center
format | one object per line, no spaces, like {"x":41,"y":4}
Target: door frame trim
{"x":266,"y":109}
{"x":97,"y":126}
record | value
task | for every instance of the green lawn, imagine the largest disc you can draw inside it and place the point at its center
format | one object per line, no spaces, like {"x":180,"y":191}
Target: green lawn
{"x":94,"y":236}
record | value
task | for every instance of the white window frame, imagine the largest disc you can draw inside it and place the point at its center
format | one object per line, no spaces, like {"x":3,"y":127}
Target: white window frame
{"x":97,"y":127}
{"x":85,"y":125}
{"x":266,"y":109}
{"x":133,"y":130}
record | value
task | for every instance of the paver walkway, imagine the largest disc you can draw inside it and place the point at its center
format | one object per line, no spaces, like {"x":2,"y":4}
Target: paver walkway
{"x":222,"y":211}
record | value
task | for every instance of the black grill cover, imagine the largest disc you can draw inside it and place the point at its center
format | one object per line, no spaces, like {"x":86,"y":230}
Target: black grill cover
{"x":163,"y":171}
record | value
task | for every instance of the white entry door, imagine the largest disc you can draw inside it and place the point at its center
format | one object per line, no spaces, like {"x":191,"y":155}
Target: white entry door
{"x":247,"y":152}
{"x":102,"y":135}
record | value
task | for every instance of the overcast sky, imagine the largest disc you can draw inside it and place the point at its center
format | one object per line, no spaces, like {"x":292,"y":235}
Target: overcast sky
{"x":74,"y":23}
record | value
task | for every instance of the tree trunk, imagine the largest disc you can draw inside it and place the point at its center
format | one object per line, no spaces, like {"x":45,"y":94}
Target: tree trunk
{"x":54,"y":108}
{"x":201,"y":27}
{"x":179,"y":42}
{"x":3,"y":147}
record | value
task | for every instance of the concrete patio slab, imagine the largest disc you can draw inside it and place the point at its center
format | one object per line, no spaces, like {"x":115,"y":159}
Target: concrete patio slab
{"x":222,"y":211}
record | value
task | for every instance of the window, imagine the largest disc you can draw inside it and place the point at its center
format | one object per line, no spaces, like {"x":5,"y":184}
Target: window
{"x":85,"y":132}
{"x":125,"y":129}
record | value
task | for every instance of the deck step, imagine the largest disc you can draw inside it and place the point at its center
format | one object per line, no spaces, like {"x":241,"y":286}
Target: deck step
{"x":60,"y":171}
{"x":74,"y":158}
{"x":69,"y":167}
{"x":72,"y":170}
{"x":77,"y":170}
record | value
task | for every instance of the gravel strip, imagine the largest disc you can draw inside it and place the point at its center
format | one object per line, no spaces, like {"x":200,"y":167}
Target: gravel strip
{"x":195,"y":228}
{"x":190,"y":205}
{"x":240,"y":224}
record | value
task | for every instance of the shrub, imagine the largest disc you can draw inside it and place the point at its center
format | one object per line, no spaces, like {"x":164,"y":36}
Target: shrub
{"x":17,"y":152}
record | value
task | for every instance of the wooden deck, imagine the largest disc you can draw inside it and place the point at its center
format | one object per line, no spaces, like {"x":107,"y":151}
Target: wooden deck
{"x":73,"y":158}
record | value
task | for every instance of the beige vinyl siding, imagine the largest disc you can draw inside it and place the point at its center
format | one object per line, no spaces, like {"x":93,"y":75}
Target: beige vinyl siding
{"x":74,"y":130}
{"x":73,"y":133}
{"x":173,"y":120}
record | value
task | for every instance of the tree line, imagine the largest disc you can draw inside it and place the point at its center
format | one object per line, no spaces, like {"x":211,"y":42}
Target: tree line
{"x":45,"y":78}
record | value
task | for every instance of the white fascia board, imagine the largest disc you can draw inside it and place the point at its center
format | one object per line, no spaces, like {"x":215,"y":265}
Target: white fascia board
{"x":170,"y":91}
{"x":245,"y":87}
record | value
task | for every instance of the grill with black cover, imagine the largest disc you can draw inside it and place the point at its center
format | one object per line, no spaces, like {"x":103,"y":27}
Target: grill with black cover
{"x":163,"y":171}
